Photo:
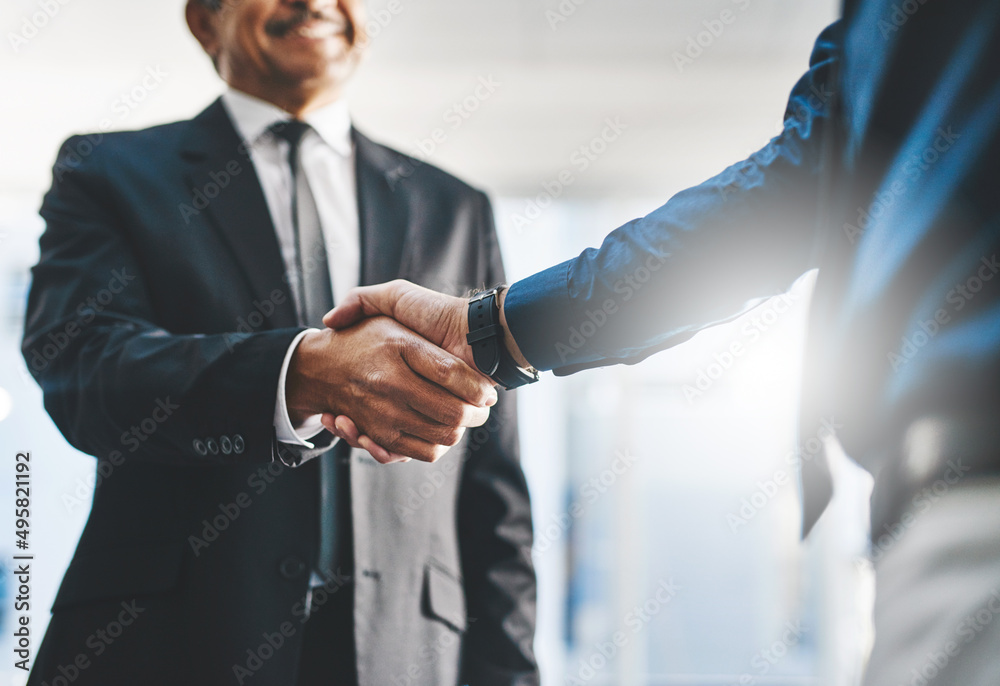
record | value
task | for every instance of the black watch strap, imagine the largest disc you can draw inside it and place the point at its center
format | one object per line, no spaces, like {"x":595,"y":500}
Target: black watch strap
{"x":486,"y":338}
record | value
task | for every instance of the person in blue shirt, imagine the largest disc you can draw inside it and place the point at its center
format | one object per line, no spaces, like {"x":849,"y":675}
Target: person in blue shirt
{"x":886,"y":177}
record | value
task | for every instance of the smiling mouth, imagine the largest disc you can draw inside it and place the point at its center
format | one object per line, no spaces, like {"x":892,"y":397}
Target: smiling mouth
{"x":314,"y":28}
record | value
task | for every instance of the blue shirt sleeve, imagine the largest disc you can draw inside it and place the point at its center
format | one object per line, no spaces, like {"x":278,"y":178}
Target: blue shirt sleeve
{"x":708,"y":255}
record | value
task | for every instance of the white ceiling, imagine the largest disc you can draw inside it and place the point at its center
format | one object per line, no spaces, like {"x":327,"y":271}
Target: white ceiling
{"x":610,"y":58}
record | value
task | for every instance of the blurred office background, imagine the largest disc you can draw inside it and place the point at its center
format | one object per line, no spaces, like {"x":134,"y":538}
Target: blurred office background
{"x":668,"y":516}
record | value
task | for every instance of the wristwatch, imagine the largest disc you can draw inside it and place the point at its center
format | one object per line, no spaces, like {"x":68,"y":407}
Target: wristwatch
{"x":486,"y":338}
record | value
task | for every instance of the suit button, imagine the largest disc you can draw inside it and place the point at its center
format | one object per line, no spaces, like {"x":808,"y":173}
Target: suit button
{"x":238,"y":445}
{"x":212,"y":446}
{"x":292,"y":567}
{"x":200,"y":448}
{"x":226,"y":444}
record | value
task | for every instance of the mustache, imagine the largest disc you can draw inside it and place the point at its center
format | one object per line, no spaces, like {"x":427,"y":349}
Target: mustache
{"x":302,"y":15}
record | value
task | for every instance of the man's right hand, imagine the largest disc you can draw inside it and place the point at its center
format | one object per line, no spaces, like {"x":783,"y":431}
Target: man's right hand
{"x":406,"y":393}
{"x":441,"y":319}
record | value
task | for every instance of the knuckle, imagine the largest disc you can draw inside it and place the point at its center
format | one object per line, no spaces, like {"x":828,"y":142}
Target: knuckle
{"x":388,"y":438}
{"x":452,"y":437}
{"x":453,"y":414}
{"x":487,"y":390}
{"x":447,"y":370}
{"x":480,"y":391}
{"x":376,"y":379}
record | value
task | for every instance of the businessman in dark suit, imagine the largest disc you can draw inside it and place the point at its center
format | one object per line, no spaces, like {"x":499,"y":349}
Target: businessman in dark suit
{"x":174,"y":326}
{"x":886,"y":179}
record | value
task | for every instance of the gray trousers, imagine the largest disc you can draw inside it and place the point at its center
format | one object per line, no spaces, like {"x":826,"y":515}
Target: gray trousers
{"x":937,"y":603}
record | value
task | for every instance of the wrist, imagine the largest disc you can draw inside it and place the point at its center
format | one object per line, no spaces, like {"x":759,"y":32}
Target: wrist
{"x":488,"y":344}
{"x":508,"y":339}
{"x":302,"y":398}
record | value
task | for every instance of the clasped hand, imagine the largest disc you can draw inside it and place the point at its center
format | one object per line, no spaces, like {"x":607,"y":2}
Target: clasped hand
{"x":441,"y":319}
{"x":409,"y":397}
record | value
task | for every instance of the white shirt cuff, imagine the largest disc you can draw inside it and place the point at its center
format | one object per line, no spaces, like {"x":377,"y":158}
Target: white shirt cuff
{"x":286,"y":433}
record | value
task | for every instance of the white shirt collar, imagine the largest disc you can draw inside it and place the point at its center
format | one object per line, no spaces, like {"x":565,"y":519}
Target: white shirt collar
{"x":252,"y":117}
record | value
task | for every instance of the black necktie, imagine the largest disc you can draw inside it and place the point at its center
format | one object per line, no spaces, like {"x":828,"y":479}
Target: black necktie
{"x":315,"y":299}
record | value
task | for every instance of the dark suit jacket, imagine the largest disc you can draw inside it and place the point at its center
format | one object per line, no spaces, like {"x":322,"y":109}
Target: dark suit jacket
{"x":886,"y":178}
{"x":157,"y":323}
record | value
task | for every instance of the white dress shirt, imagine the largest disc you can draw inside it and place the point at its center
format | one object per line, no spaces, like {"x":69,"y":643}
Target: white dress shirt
{"x":327,"y":156}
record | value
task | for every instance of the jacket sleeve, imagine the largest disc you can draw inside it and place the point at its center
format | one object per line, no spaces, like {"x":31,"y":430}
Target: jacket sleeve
{"x":117,"y":385}
{"x":709,"y":254}
{"x":495,"y":538}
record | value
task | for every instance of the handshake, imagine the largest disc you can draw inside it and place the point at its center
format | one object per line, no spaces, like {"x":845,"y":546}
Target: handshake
{"x":393,"y":373}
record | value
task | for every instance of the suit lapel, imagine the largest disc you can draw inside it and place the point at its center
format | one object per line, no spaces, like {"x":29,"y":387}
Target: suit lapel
{"x":382,"y":211}
{"x":219,"y":165}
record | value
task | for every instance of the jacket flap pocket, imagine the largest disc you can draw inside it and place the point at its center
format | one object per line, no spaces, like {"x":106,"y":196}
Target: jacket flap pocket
{"x":444,"y":597}
{"x":117,"y":572}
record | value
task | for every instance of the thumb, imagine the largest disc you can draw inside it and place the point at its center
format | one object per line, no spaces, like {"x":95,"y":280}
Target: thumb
{"x":367,"y":301}
{"x":345,"y":314}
